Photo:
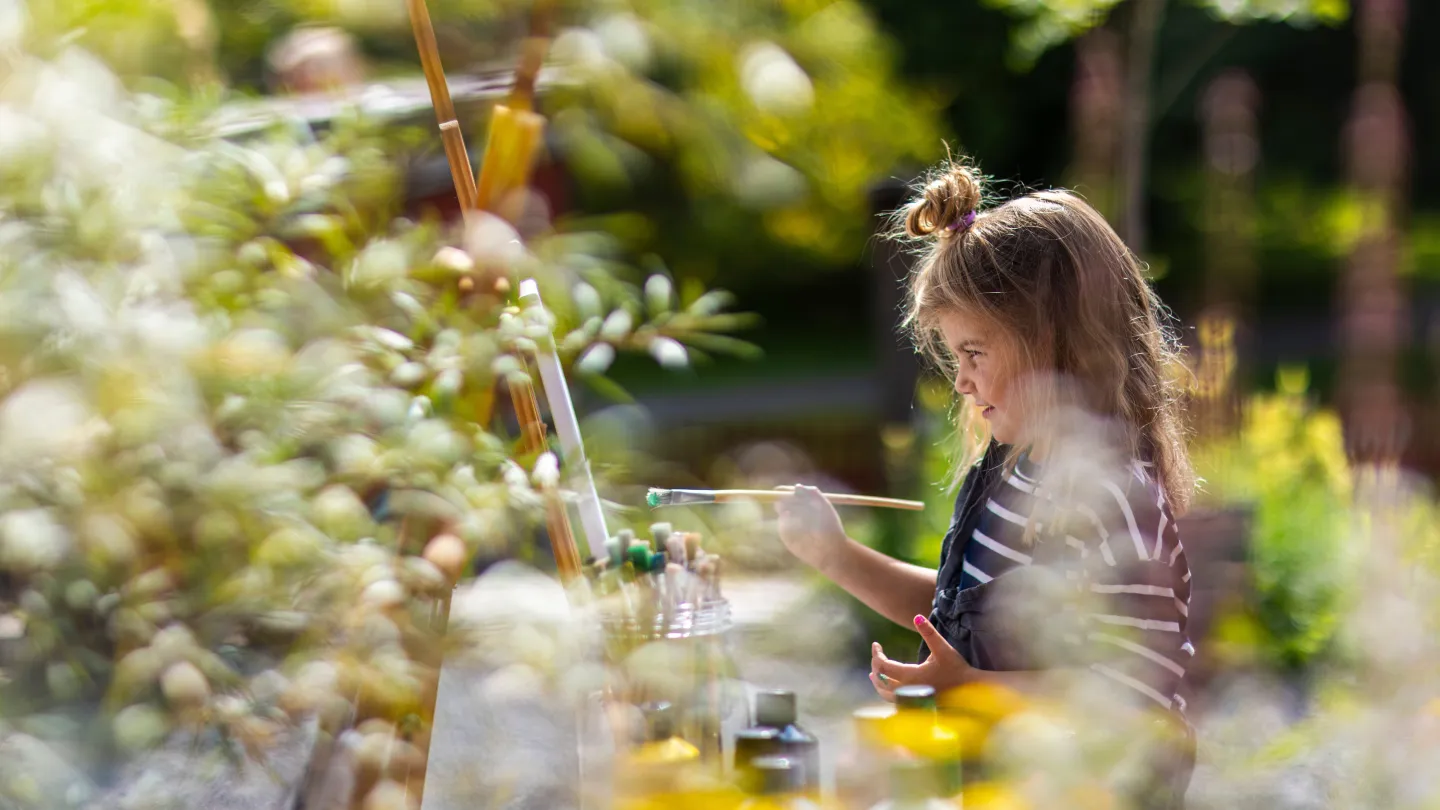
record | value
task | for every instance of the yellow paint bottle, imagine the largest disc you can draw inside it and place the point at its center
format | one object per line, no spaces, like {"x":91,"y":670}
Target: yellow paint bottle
{"x":863,"y":766}
{"x":918,"y":728}
{"x":915,"y":785}
{"x":661,"y":768}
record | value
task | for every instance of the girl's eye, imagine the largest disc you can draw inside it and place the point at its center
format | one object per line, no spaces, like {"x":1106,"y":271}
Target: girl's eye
{"x":972,"y":353}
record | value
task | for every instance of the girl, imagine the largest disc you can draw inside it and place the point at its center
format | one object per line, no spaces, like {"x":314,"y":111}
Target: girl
{"x":1062,"y":560}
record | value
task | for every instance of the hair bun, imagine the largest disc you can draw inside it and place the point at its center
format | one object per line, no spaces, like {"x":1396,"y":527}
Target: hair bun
{"x":947,"y":199}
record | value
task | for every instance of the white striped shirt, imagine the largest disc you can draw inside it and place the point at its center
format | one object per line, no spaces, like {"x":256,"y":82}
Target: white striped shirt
{"x":1137,"y":586}
{"x":998,"y":542}
{"x":1128,"y":562}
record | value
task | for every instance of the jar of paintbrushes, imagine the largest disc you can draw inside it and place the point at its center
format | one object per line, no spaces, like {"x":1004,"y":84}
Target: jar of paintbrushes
{"x":666,"y":630}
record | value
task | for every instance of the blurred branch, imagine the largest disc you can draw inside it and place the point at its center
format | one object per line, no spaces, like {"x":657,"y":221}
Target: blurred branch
{"x":1175,"y":81}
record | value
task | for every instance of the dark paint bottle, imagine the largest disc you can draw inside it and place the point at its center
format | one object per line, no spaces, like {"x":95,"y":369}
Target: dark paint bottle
{"x":776,"y":709}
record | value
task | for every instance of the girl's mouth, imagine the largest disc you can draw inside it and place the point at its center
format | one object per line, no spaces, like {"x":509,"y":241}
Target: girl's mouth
{"x":989,"y":409}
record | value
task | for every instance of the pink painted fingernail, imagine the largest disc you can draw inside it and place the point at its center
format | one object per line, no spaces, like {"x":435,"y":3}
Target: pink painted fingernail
{"x":919,"y":621}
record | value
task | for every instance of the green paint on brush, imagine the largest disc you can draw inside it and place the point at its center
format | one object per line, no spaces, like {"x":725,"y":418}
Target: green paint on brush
{"x":639,"y":555}
{"x":653,"y":498}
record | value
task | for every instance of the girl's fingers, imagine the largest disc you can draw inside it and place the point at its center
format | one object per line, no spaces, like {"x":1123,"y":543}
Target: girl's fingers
{"x":928,"y":632}
{"x":893,"y":673}
{"x":936,"y":642}
{"x":798,"y":500}
{"x":890,"y":674}
{"x":809,"y":495}
{"x":881,"y":689}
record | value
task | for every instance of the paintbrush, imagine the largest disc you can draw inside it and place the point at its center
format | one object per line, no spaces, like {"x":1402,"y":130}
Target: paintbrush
{"x":557,"y":520}
{"x":657,"y":498}
{"x":567,"y":425}
{"x":516,"y":130}
{"x":455,"y":152}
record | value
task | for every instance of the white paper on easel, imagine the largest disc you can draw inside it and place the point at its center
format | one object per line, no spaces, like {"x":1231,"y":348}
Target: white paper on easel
{"x":567,"y":426}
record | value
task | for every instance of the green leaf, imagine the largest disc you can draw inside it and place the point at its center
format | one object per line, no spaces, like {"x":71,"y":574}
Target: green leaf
{"x":328,"y":230}
{"x":724,"y":344}
{"x":1048,"y":23}
{"x":1294,"y":12}
{"x":609,"y":389}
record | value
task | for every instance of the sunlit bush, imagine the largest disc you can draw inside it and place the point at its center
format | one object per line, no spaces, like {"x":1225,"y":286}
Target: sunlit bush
{"x":249,"y":424}
{"x":1288,"y":463}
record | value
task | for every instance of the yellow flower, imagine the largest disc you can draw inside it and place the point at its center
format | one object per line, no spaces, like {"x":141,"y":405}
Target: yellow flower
{"x":993,"y":796}
{"x":985,"y":701}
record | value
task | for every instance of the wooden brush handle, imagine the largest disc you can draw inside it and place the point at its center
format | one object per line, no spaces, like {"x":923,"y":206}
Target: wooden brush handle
{"x":455,"y":152}
{"x":459,"y":159}
{"x":771,"y":495}
{"x":557,"y":520}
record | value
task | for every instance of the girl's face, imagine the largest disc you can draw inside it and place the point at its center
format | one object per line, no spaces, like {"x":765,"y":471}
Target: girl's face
{"x":987,"y":363}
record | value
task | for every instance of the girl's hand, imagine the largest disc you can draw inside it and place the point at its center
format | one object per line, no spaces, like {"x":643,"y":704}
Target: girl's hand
{"x":944,"y":669}
{"x":810,"y":527}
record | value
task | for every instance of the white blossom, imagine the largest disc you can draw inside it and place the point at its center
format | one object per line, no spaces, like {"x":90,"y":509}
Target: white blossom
{"x":596,"y":359}
{"x":669,"y":353}
{"x":547,"y":471}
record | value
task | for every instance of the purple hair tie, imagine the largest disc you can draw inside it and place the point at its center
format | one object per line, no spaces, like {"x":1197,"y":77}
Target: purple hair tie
{"x":964,"y":223}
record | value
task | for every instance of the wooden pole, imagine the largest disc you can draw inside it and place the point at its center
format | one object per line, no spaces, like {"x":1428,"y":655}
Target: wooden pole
{"x":455,"y":152}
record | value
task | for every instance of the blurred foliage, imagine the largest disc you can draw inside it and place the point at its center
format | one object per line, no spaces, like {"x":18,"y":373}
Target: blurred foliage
{"x":249,"y":426}
{"x":1423,"y":245}
{"x":945,"y":444}
{"x":239,"y":392}
{"x":1048,"y":23}
{"x":1288,"y":464}
{"x":224,"y":40}
{"x":769,"y":119}
{"x":1345,"y":561}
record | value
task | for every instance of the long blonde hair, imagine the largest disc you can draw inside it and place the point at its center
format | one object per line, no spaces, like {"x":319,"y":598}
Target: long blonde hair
{"x":1047,"y":268}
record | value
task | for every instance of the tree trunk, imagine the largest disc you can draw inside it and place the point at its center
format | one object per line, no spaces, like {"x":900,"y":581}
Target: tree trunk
{"x":1232,"y":150}
{"x":1142,"y":34}
{"x":1375,"y":322}
{"x":1095,"y":118}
